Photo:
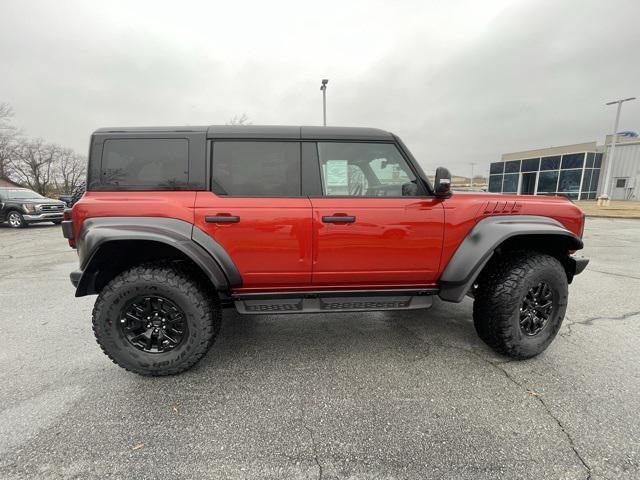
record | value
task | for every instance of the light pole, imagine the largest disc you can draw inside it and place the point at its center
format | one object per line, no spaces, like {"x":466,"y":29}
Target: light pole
{"x":323,"y":87}
{"x":604,"y":198}
{"x":471,"y":182}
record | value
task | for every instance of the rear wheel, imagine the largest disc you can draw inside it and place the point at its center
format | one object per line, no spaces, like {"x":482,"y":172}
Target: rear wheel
{"x":16,"y":220}
{"x":520,"y":303}
{"x":155,"y":320}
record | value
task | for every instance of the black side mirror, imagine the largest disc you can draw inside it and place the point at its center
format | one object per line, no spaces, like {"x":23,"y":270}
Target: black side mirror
{"x":443,"y":183}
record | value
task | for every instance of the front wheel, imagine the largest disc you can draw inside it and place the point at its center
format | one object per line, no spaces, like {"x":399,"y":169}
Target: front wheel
{"x":520,"y":303}
{"x":155,"y":320}
{"x":16,"y":220}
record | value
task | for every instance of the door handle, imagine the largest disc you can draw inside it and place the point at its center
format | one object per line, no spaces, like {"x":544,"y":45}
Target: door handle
{"x":338,"y":219}
{"x":222,"y":219}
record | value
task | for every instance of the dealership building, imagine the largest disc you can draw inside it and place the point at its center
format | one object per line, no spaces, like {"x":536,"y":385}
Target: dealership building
{"x":576,"y":171}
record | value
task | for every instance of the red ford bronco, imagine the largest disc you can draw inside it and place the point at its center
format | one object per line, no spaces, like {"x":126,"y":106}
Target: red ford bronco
{"x":178,"y":223}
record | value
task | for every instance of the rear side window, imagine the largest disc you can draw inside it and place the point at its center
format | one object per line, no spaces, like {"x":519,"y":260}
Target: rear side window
{"x":160,"y":163}
{"x":256,"y":169}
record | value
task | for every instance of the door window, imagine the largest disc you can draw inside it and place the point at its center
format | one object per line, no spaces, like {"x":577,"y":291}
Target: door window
{"x":365,"y":170}
{"x":257,"y":169}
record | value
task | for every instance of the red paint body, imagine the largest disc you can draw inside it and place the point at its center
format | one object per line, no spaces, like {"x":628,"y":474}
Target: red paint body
{"x":282,"y":243}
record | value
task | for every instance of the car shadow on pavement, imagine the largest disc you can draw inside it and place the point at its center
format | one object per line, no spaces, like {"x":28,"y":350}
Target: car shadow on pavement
{"x":43,"y":225}
{"x":299,"y":340}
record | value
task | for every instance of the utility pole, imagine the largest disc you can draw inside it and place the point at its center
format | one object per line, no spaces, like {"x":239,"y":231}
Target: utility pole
{"x":323,"y":87}
{"x":604,"y":198}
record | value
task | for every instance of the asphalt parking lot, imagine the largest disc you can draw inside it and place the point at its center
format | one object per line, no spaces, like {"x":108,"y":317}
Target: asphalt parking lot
{"x":382,"y":395}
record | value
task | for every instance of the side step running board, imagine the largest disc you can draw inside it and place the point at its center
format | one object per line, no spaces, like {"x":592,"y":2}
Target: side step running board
{"x":334,"y":301}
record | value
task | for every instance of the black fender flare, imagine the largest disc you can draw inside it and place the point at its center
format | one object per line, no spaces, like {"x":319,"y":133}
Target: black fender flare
{"x":185,"y":237}
{"x":481,"y":242}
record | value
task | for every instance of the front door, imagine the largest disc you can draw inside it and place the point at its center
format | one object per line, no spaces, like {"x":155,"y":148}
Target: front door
{"x":619,"y":190}
{"x":257,"y":212}
{"x":373,"y":226}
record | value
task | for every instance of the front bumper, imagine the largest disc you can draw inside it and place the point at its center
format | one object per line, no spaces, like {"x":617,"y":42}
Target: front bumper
{"x":75,"y":278}
{"x":580,"y":264}
{"x":43,"y":217}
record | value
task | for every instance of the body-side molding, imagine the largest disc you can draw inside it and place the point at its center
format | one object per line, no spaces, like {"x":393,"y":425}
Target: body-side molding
{"x":100,"y":231}
{"x":479,"y":245}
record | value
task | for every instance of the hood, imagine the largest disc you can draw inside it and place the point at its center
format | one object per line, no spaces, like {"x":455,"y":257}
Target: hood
{"x":38,"y":201}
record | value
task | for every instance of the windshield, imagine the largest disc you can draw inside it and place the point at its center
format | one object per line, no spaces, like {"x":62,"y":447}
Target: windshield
{"x":21,"y":194}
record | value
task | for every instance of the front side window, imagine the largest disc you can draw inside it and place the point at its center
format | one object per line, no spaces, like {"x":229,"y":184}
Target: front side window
{"x":365,"y":170}
{"x":257,"y":169}
{"x":145,"y":163}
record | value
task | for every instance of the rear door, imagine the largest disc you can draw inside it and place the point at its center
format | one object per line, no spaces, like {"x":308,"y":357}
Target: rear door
{"x":374,"y":225}
{"x":256,"y":212}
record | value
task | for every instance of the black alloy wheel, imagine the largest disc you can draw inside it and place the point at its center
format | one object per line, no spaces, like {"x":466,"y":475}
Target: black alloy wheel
{"x":153,"y":324}
{"x":536,"y":309}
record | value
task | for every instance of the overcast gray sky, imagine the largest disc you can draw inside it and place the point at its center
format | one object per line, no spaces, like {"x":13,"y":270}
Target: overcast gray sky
{"x":461,"y":81}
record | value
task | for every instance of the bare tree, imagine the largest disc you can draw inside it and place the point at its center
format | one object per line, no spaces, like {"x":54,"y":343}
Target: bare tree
{"x":8,"y":135}
{"x":239,"y":120}
{"x":32,"y":163}
{"x":70,"y":169}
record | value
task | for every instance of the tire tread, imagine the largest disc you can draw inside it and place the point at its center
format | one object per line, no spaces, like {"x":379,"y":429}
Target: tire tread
{"x":496,"y":299}
{"x":175,"y":277}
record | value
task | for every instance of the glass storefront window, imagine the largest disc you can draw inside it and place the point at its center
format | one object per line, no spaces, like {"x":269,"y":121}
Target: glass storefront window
{"x":586,"y":179}
{"x":570,"y":181}
{"x":512,"y":167}
{"x":496,"y":167}
{"x":495,"y":183}
{"x":530,"y":165}
{"x":548,"y":182}
{"x":597,"y":163}
{"x":594,"y":180}
{"x":510,"y":183}
{"x":573,"y":160}
{"x":550,"y":163}
{"x":590,"y":158}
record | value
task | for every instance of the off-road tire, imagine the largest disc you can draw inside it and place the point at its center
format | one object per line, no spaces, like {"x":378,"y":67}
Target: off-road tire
{"x":21,"y":224}
{"x":201,"y":309}
{"x":77,"y":193}
{"x":502,"y":287}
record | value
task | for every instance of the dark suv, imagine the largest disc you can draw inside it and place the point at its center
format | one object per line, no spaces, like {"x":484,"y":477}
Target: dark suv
{"x":178,"y":223}
{"x":21,"y":206}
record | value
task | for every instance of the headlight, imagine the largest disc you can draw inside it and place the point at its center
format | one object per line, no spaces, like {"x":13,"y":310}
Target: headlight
{"x":29,"y":208}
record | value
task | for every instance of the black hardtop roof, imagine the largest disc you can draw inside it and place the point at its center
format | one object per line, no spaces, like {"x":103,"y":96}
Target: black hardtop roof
{"x":264,"y":132}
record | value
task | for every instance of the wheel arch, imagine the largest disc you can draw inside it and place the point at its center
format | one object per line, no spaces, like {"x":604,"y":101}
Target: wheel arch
{"x":494,"y":235}
{"x":108,"y":246}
